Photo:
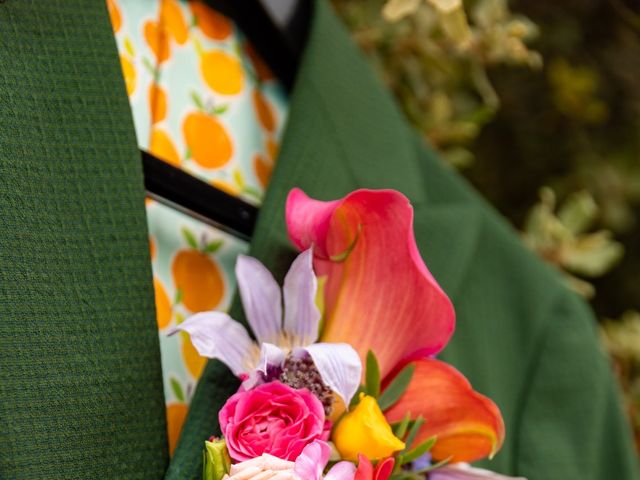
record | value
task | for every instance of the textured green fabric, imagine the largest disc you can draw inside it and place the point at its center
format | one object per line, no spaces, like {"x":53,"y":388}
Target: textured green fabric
{"x":521,"y":338}
{"x":80,"y":381}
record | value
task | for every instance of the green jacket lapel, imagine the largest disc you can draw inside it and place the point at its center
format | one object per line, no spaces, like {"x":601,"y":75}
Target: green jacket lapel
{"x":80,"y":381}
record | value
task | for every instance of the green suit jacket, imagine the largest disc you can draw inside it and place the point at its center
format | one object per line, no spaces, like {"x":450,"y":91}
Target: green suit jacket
{"x":80,"y":380}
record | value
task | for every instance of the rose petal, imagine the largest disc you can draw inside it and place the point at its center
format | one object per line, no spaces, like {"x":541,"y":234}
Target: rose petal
{"x":379,"y":294}
{"x":341,"y":471}
{"x":463,"y":471}
{"x":339,"y":367}
{"x":217,"y":335}
{"x":261,"y":298}
{"x":301,"y":314}
{"x":311,"y":462}
{"x":468,"y":425}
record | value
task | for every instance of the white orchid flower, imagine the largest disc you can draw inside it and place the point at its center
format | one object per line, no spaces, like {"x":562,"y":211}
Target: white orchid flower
{"x":279,"y":334}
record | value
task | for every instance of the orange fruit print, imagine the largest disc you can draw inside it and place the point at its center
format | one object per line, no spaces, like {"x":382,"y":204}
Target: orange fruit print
{"x":263,"y":111}
{"x":114,"y":14}
{"x":152,"y":243}
{"x":157,"y":39}
{"x":192,"y":359}
{"x":263,"y":169}
{"x":272,"y":149}
{"x":172,"y":19}
{"x":210,"y":22}
{"x":221,"y":72}
{"x":162,"y":147}
{"x":225,"y":186}
{"x":163,"y":305}
{"x":199,"y":279}
{"x":129,"y":74}
{"x":157,"y":103}
{"x":207,"y":140}
{"x":262,"y":69}
{"x":176,"y":415}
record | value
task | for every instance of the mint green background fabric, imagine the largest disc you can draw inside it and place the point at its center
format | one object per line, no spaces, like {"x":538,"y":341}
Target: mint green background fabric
{"x":80,"y":379}
{"x":78,"y":266}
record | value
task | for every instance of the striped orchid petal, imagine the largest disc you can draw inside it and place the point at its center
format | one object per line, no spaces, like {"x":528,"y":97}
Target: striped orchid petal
{"x":261,"y":298}
{"x":301,"y":314}
{"x":339,"y":367}
{"x":217,"y":335}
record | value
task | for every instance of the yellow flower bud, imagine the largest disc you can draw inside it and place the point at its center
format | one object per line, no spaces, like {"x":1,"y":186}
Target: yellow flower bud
{"x":365,"y":430}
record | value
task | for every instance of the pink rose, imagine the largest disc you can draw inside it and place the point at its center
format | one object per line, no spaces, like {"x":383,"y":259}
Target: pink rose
{"x":272,"y":418}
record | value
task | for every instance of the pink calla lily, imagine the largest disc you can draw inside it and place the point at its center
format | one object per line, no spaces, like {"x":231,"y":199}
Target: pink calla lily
{"x":378,"y":289}
{"x":379,"y":295}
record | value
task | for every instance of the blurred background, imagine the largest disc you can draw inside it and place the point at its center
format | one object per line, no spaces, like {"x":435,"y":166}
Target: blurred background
{"x":537,"y":103}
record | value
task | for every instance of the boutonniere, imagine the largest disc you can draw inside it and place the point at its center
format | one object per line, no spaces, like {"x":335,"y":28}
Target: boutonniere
{"x":341,"y":381}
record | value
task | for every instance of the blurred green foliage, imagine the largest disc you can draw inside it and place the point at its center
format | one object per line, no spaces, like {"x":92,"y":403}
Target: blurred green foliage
{"x":537,"y":103}
{"x":564,"y":239}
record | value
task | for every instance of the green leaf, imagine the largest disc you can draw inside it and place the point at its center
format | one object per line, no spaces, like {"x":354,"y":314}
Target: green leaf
{"x":128,"y":46}
{"x":413,"y":431}
{"x":253,"y":192}
{"x":177,"y":389}
{"x":420,"y":450}
{"x":189,"y":237}
{"x":179,"y":295}
{"x":197,"y":100}
{"x":213,"y":247}
{"x":372,"y":377}
{"x":221,"y":109}
{"x":238,"y":178}
{"x":356,"y":398}
{"x":149,"y":66}
{"x":396,"y":388}
{"x":400,"y":428}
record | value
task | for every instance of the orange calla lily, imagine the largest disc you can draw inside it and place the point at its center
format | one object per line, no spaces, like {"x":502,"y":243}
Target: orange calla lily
{"x":378,"y":289}
{"x":380,"y":296}
{"x":468,"y":425}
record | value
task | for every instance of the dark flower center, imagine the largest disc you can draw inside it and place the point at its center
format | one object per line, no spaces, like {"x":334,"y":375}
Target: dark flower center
{"x":302,"y":373}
